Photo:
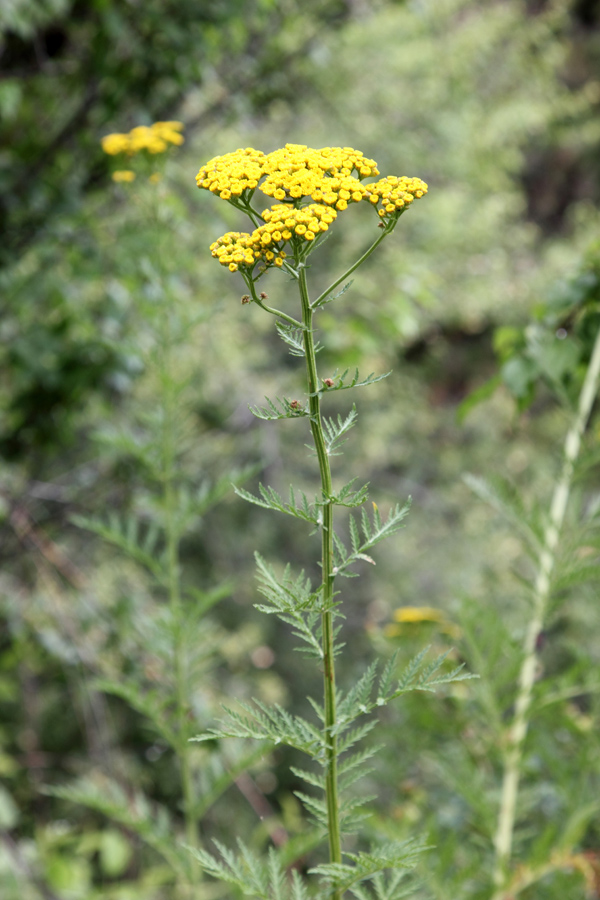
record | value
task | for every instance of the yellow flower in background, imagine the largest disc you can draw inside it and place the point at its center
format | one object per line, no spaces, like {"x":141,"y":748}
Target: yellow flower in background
{"x":114,"y":144}
{"x":123,"y":175}
{"x":169,"y":132}
{"x":152,"y":138}
{"x":418,"y":615}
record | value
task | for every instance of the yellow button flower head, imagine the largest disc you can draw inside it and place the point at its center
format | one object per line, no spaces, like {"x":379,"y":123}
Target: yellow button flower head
{"x":331,"y":177}
{"x":233,"y":173}
{"x":324,"y":175}
{"x":238,"y":250}
{"x":395,"y":194}
{"x":306,"y":222}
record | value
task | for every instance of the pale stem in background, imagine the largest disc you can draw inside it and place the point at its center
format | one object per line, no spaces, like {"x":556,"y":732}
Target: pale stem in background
{"x":518,"y":731}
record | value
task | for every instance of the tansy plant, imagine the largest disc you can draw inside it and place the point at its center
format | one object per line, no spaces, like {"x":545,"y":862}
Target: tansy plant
{"x":310,"y":189}
{"x":143,"y":141}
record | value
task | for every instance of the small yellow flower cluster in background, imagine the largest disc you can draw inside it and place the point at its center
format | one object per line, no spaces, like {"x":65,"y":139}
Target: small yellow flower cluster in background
{"x":417,"y":615}
{"x":153,"y":138}
{"x":122,"y":175}
{"x":395,"y":194}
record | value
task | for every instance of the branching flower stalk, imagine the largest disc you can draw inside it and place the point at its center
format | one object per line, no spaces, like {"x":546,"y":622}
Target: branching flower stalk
{"x":148,"y":145}
{"x":311,"y":188}
{"x":542,"y":591}
{"x":328,"y":575}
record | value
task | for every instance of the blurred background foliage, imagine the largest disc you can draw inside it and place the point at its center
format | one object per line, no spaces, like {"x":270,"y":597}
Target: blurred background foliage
{"x":479,"y":294}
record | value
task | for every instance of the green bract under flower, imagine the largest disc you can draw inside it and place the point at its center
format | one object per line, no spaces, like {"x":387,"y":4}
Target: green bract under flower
{"x":332,"y":178}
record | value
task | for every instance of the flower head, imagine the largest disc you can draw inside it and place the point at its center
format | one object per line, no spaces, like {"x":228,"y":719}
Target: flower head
{"x":238,"y":250}
{"x":123,"y":175}
{"x":233,"y":173}
{"x":152,"y":138}
{"x":331,"y":175}
{"x":325,"y":175}
{"x":310,"y":186}
{"x":395,"y":194}
{"x":304,"y":223}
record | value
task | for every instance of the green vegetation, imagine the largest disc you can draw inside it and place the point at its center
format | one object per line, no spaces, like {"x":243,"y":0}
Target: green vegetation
{"x":127,"y":367}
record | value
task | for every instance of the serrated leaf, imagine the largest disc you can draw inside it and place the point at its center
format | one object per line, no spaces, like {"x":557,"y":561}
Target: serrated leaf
{"x":327,"y":297}
{"x":270,"y":499}
{"x":372,"y":533}
{"x":334,"y":431}
{"x":268,"y":723}
{"x":135,"y":812}
{"x":292,"y":336}
{"x":152,"y":704}
{"x":134,"y":540}
{"x":341,"y":877}
{"x":280,"y":408}
{"x":341,"y":384}
{"x":506,"y":499}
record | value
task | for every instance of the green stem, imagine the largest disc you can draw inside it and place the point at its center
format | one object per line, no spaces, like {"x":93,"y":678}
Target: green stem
{"x":274,"y":312}
{"x":174,"y":595}
{"x":328,"y":575}
{"x":384,"y":233}
{"x":518,"y":731}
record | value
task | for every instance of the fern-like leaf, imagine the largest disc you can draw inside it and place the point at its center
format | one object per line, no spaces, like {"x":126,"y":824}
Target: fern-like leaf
{"x":506,"y":499}
{"x":270,"y":499}
{"x":137,"y":540}
{"x":373,"y":531}
{"x":334,"y":431}
{"x":268,"y":723}
{"x":327,"y":298}
{"x":365,"y":866}
{"x":280,"y":408}
{"x":340,"y":382}
{"x":135,"y":812}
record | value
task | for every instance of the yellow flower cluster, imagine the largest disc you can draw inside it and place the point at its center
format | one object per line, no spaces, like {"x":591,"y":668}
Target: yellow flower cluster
{"x":123,"y":175}
{"x":324,"y":175}
{"x":395,"y":194}
{"x":328,"y":160}
{"x":283,"y":222}
{"x":293,"y":172}
{"x":331,"y":177}
{"x":154,"y":138}
{"x":238,"y":250}
{"x":230,"y":175}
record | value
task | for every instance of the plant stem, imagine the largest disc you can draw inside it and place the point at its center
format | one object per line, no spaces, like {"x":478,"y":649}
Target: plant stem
{"x":270,"y":309}
{"x":547,"y":559}
{"x":384,"y":233}
{"x":328,"y":575}
{"x":182,"y":750}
